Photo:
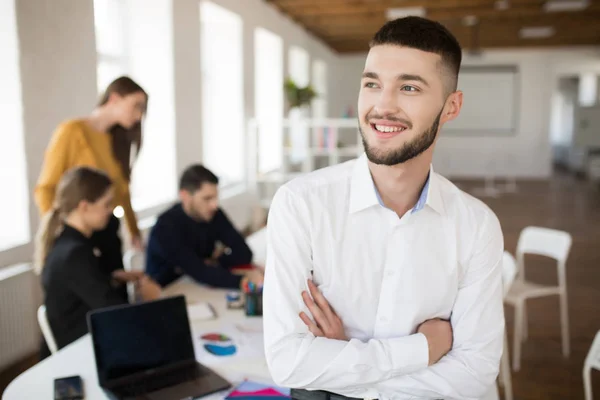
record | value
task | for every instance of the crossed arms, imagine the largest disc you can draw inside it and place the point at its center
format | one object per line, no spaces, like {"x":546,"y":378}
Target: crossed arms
{"x":312,"y":351}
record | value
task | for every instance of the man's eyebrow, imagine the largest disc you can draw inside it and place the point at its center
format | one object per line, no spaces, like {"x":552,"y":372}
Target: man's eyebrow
{"x":371,"y":75}
{"x":412,"y":77}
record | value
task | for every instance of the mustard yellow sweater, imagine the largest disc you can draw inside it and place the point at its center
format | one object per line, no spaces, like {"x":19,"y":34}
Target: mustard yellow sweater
{"x":74,"y":144}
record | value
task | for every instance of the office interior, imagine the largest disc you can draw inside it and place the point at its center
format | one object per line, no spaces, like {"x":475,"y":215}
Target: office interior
{"x":217,"y":72}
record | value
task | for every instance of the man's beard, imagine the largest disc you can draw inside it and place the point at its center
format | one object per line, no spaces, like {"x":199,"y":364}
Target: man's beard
{"x":408,"y":151}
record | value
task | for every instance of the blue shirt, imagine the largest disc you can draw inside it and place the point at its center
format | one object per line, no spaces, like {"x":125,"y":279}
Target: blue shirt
{"x":420,"y":203}
{"x":180,"y":245}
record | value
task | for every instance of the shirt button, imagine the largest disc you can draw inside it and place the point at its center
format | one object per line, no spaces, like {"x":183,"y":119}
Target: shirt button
{"x":390,"y":273}
{"x":383,"y":319}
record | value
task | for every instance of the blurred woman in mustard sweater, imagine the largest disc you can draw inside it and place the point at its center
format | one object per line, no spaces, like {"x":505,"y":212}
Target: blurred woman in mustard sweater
{"x":103,"y":140}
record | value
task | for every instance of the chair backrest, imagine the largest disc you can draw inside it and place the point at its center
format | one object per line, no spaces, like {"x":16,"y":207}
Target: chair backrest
{"x":46,"y":331}
{"x":592,"y":360}
{"x":509,"y":271}
{"x":134,"y":260}
{"x":545,"y":242}
{"x":258,"y":244}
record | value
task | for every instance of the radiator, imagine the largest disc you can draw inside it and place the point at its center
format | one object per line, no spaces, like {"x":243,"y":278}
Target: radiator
{"x":19,"y":299}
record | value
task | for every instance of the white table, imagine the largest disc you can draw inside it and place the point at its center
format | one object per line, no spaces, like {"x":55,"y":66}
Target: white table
{"x":78,"y":357}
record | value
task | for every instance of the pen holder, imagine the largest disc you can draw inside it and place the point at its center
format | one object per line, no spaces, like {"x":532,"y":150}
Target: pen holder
{"x":253,"y":304}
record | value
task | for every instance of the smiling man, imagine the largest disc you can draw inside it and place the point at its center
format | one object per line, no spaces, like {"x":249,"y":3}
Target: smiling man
{"x":383,"y":279}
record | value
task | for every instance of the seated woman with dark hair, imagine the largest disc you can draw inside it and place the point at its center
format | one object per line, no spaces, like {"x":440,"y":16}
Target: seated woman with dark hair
{"x":73,"y":280}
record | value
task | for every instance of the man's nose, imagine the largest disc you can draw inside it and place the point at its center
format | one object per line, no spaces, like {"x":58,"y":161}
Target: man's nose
{"x":387,"y":103}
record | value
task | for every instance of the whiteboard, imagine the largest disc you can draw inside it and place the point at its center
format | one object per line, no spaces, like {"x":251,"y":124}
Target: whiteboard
{"x":490,"y":101}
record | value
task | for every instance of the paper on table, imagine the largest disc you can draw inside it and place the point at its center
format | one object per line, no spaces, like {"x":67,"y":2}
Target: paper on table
{"x":248,"y":345}
{"x":250,"y":326}
{"x":201,"y":311}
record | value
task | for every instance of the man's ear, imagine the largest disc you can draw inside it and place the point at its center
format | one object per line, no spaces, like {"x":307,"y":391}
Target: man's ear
{"x":452,"y":106}
{"x":185,"y":196}
{"x":114,"y":97}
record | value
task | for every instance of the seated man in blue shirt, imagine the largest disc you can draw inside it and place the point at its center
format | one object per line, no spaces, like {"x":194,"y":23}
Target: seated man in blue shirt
{"x":195,"y":237}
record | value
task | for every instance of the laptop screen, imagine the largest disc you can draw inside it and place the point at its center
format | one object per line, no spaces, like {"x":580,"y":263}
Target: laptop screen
{"x":139,"y":337}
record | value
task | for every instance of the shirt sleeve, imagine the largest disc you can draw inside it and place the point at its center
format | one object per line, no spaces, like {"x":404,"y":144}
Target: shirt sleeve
{"x":84,"y":277}
{"x":57,"y":159}
{"x":227,"y":233}
{"x":181,"y":255}
{"x":470,"y":369}
{"x":294,"y":356}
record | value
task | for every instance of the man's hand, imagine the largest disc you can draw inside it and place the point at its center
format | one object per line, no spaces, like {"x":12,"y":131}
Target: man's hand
{"x":327,"y":323}
{"x":127,"y":276}
{"x":255,"y":276}
{"x":439,"y":338}
{"x":148,"y":289}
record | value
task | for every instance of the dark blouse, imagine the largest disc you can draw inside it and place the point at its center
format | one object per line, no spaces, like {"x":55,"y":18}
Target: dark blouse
{"x":75,"y":282}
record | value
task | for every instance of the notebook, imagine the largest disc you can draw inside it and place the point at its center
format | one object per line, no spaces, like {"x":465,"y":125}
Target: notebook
{"x":249,"y":390}
{"x":201,"y":311}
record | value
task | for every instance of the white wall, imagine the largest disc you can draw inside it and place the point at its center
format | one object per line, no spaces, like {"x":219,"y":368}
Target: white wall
{"x":58,"y":75}
{"x":527,"y":154}
{"x":58,"y":72}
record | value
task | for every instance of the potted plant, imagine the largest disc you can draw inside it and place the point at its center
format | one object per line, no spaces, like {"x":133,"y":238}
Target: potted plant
{"x":297,"y":96}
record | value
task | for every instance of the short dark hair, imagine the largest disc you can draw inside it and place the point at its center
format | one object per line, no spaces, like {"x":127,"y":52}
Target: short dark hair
{"x":426,"y":35}
{"x":195,"y":176}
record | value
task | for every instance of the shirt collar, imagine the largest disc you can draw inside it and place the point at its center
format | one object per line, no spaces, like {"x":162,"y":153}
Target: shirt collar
{"x":364,"y":194}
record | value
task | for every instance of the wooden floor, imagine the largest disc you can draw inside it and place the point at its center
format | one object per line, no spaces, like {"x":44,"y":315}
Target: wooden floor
{"x":563,"y":203}
{"x":574,"y":206}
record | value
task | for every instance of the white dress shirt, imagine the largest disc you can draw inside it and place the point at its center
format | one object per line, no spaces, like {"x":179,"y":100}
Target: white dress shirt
{"x":383,"y":276}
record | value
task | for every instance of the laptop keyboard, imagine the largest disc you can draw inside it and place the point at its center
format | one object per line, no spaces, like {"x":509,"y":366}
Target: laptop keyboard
{"x":156,"y":382}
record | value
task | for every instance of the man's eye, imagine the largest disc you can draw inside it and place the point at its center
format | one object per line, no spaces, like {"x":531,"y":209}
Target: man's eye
{"x":371,"y":85}
{"x":409,"y":88}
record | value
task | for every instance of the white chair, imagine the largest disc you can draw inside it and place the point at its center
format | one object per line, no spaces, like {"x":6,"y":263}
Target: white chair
{"x":46,"y":331}
{"x":509,"y":272}
{"x":257,"y":242}
{"x":549,"y":243}
{"x":592,"y":361}
{"x":133,"y":260}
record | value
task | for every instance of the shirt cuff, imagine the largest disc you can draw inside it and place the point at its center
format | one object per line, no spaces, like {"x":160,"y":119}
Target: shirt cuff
{"x":409,"y":354}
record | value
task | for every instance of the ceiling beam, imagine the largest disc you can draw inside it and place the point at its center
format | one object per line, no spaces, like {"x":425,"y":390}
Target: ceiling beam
{"x":371,"y":25}
{"x":298,"y":4}
{"x":511,"y":13}
{"x":350,"y":24}
{"x":351,"y":48}
{"x":324,"y":7}
{"x":367,"y":30}
{"x":493,"y":42}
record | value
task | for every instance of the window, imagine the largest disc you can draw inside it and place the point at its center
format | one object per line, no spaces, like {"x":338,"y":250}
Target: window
{"x":299,"y":72}
{"x":223,"y":127}
{"x":109,"y":24}
{"x":268,"y":101}
{"x":319,"y":74}
{"x":142,"y":48}
{"x":14,"y":208}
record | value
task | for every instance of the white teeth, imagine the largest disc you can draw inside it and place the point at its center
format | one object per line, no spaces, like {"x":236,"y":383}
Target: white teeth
{"x":384,"y":128}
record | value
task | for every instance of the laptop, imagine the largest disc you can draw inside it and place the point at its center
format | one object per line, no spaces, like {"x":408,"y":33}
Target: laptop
{"x":145,"y":351}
